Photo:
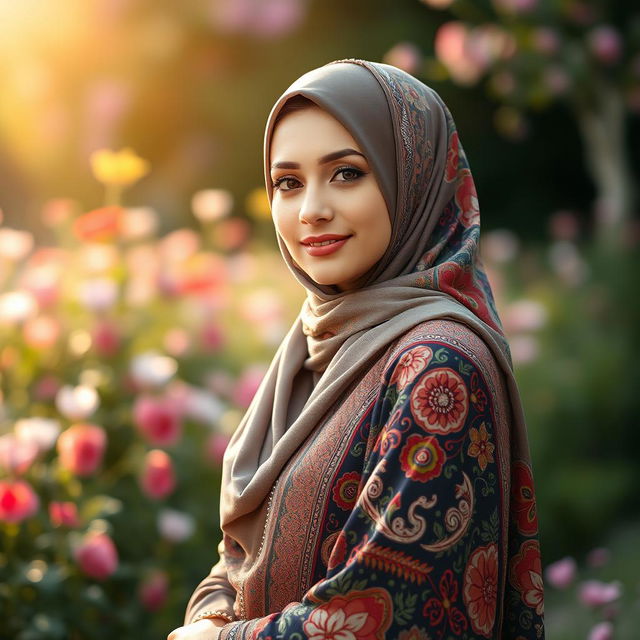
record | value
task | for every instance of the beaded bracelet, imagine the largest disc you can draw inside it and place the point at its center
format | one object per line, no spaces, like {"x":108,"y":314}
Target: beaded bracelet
{"x":213,"y":613}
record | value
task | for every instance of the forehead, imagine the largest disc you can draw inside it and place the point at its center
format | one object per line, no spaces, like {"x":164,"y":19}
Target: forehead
{"x":308,"y":131}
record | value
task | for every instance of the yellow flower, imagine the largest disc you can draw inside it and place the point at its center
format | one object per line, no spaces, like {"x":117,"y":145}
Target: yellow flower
{"x":121,"y":168}
{"x":257,"y":204}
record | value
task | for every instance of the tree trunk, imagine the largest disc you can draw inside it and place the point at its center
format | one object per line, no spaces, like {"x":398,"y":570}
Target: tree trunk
{"x":603,"y":127}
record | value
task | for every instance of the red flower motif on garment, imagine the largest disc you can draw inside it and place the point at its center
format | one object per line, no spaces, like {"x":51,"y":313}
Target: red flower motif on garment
{"x":345,"y":493}
{"x":467,"y":200}
{"x":411,"y":363}
{"x":440,"y":402}
{"x":480,"y":446}
{"x":415,"y":633}
{"x":480,"y":592}
{"x":388,"y":439}
{"x":337,"y":551}
{"x":358,"y":615}
{"x":523,"y":498}
{"x":452,"y":158}
{"x":437,"y":609}
{"x":421,"y":458}
{"x":262,"y":624}
{"x":478,"y":397}
{"x":526,"y":575}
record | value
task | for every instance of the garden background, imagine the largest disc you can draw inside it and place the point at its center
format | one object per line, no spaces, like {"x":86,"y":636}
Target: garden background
{"x":142,"y":294}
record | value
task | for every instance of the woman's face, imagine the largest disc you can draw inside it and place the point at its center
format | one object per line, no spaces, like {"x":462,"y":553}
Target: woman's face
{"x":325,"y":190}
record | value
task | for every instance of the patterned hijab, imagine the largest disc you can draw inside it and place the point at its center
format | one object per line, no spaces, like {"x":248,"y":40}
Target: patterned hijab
{"x":431,"y":269}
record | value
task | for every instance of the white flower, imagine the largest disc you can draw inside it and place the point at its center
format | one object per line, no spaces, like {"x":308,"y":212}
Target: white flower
{"x":211,"y":204}
{"x":15,"y":245}
{"x":153,"y":369}
{"x":98,"y":294}
{"x":139,"y":222}
{"x":41,"y":431}
{"x":16,"y":306}
{"x":77,"y":403}
{"x":175,"y":526}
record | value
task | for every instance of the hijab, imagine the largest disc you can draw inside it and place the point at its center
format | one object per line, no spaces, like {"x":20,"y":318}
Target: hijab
{"x":431,"y":269}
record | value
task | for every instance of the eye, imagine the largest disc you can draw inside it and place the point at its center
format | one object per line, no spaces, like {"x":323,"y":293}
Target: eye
{"x":355,"y":172}
{"x":285,"y":179}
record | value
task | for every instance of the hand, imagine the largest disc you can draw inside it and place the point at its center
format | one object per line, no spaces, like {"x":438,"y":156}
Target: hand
{"x":205,"y":629}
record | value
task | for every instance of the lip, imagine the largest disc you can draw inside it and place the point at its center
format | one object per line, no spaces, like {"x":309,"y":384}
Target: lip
{"x":327,"y":249}
{"x":322,"y":238}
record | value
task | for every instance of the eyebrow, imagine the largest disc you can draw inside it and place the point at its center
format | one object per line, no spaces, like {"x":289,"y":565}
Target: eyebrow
{"x":328,"y":158}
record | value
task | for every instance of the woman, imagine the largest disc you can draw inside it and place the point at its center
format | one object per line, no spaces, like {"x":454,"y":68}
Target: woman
{"x":379,"y":485}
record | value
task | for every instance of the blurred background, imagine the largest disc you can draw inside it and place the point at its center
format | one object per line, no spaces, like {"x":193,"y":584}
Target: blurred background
{"x":142,"y":294}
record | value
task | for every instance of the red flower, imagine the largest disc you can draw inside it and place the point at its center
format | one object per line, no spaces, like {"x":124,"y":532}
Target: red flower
{"x":158,"y":420}
{"x":64,"y":514}
{"x":523,"y":498}
{"x":81,"y":448}
{"x":421,"y":458}
{"x":437,"y":609}
{"x":97,"y":556}
{"x":17,"y":500}
{"x":154,"y":589}
{"x":358,"y":615}
{"x":526,"y":575}
{"x":481,"y":589}
{"x":411,"y":363}
{"x":345,"y":493}
{"x":98,"y":225}
{"x":480,"y":446}
{"x":158,"y":478}
{"x":439,"y":402}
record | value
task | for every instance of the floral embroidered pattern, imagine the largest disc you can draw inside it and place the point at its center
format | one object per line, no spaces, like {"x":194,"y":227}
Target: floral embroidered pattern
{"x":443,"y":608}
{"x":526,"y":575}
{"x":481,"y":589}
{"x":361,"y":615}
{"x":410,"y":532}
{"x":411,"y":363}
{"x":440,"y":401}
{"x":480,"y":446}
{"x":422,"y":458}
{"x":345,"y":493}
{"x":523,"y":498}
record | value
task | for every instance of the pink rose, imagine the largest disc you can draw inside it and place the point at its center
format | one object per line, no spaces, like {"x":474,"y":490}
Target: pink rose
{"x":216,"y":446}
{"x":64,"y":514}
{"x":594,"y":593}
{"x":602,"y":631}
{"x":17,"y":500}
{"x":105,"y":338}
{"x":158,"y":477}
{"x":81,"y":448}
{"x":158,"y":420}
{"x":97,"y":556}
{"x":605,"y":43}
{"x":154,"y":589}
{"x":561,"y":574}
{"x":248,"y":385}
{"x":16,"y":455}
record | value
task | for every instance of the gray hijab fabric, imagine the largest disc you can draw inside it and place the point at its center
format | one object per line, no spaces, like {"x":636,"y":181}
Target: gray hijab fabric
{"x":431,"y":269}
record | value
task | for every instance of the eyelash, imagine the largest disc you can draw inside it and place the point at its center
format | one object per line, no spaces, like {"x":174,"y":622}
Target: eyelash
{"x":359,"y":173}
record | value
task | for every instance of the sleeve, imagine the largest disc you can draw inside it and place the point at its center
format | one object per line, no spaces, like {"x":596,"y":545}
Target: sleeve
{"x":214,"y":593}
{"x":418,"y":555}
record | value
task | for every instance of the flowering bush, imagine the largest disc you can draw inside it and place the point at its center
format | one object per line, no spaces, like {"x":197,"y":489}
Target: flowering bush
{"x":126,"y":360}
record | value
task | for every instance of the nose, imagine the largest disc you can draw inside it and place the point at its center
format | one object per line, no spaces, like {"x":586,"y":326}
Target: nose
{"x":314,"y":208}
